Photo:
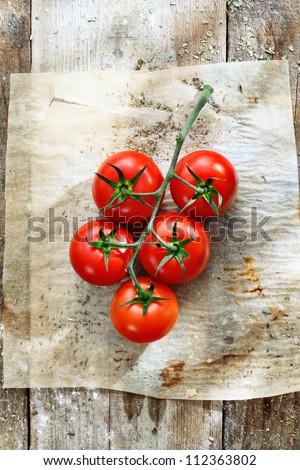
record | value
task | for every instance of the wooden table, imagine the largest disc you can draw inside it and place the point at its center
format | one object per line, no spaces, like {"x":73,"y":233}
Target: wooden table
{"x":68,"y":35}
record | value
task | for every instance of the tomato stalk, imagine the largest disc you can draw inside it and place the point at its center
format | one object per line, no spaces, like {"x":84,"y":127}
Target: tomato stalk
{"x":180,"y":138}
{"x":195,"y":188}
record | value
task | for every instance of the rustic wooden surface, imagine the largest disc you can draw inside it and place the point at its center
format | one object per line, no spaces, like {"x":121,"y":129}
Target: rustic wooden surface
{"x":66,"y":35}
{"x":14,"y":57}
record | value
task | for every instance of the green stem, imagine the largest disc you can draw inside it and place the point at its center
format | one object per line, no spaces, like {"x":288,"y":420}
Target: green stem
{"x":195,"y":188}
{"x":167,"y":246}
{"x":153,"y":193}
{"x":132,"y":275}
{"x":180,"y":138}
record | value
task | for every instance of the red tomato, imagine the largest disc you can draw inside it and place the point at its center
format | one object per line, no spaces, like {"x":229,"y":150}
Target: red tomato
{"x":130,"y":163}
{"x":205,"y":164}
{"x":89,"y":262}
{"x":191,"y":249}
{"x":131,"y":321}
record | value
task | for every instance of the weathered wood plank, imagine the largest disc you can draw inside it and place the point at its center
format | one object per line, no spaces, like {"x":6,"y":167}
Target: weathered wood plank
{"x":81,"y":35}
{"x":13,"y":419}
{"x":99,"y":35}
{"x":146,"y":423}
{"x":14,"y":57}
{"x":268,"y":423}
{"x":78,"y":35}
{"x":266,"y":30}
{"x":200,"y":31}
{"x":69,"y":419}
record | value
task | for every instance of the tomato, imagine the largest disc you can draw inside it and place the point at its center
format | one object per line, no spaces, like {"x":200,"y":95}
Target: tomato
{"x":100,"y":266}
{"x":131,"y":320}
{"x":217,"y":174}
{"x":189,"y":249}
{"x":118,"y":178}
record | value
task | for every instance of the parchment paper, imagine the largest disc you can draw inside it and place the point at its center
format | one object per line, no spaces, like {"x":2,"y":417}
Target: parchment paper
{"x":237,"y":335}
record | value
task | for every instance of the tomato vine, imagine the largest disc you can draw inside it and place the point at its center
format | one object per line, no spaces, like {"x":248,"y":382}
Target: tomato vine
{"x":172,"y":248}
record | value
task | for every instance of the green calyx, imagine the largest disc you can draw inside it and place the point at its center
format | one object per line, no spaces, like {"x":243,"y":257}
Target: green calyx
{"x":206,"y":190}
{"x":174,"y":250}
{"x":105,"y":243}
{"x":123,"y":188}
{"x":145,"y":298}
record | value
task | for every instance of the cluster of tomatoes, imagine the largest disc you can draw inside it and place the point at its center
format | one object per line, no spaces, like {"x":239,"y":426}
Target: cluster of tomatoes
{"x":172,"y":247}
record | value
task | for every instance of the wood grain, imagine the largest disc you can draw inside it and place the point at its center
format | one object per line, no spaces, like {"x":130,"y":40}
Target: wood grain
{"x":147,"y":423}
{"x":79,"y":35}
{"x":200,"y":31}
{"x":267,"y":423}
{"x":76,"y":36}
{"x":102,"y":419}
{"x":14,"y":57}
{"x":14,"y":419}
{"x":69,"y":419}
{"x":265,"y":31}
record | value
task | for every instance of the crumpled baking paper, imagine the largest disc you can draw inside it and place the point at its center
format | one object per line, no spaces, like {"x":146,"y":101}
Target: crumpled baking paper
{"x":237,"y":336}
